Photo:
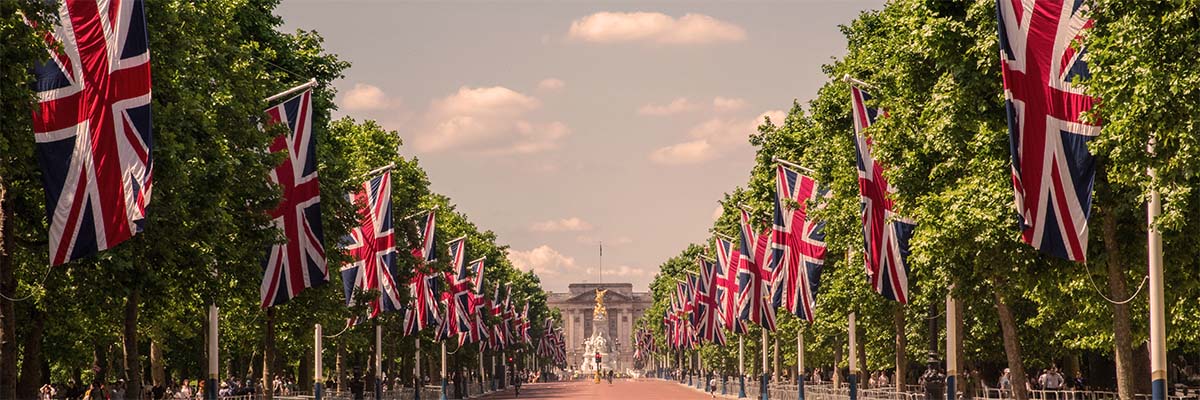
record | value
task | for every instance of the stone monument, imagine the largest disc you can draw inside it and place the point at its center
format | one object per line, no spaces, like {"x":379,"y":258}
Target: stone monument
{"x":597,"y":343}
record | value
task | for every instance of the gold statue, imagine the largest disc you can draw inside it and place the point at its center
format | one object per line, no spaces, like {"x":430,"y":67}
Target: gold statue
{"x":600,"y":312}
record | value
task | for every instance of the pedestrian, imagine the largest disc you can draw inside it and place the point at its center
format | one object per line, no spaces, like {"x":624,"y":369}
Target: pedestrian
{"x":356,"y":386}
{"x":1005,"y":383}
{"x":712,"y":387}
{"x":47,"y":392}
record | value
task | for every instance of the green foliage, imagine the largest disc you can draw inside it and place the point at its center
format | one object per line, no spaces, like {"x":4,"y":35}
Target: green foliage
{"x":214,"y":63}
{"x":934,"y":66}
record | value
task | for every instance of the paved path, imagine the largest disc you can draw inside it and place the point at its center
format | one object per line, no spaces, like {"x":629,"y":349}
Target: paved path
{"x":618,"y":390}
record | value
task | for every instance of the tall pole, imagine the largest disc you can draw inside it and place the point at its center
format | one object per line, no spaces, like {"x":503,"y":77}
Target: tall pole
{"x":853,"y":377}
{"x":741,"y":367}
{"x":444,"y":387}
{"x":800,"y":363}
{"x":601,"y":263}
{"x":493,"y":376}
{"x":1158,"y":326}
{"x":318,"y":369}
{"x":210,"y":386}
{"x":764,"y":382}
{"x":482,"y":388}
{"x":951,"y":347}
{"x":418,"y":382}
{"x":378,"y":361}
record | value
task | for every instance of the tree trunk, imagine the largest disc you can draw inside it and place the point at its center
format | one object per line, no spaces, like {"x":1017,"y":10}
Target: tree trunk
{"x":899,"y":323}
{"x":837,"y":362}
{"x":958,"y":342}
{"x":1122,"y":333}
{"x":306,"y":369}
{"x":862,"y":360}
{"x":133,"y":362}
{"x":269,"y":354}
{"x":32,"y":365}
{"x":1012,"y":344}
{"x":8,"y":287}
{"x":340,"y":365}
{"x":775,"y":367}
{"x":99,"y":363}
{"x":1141,"y":369}
{"x":158,"y":371}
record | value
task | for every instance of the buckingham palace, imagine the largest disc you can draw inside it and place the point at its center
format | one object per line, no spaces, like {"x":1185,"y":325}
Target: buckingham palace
{"x":624,"y":307}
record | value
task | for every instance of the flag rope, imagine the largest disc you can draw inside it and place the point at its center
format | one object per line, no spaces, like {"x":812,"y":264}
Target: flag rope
{"x":1097,"y":288}
{"x":41,"y":284}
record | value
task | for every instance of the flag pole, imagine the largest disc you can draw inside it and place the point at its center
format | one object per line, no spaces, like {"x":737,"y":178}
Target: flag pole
{"x":800,"y":362}
{"x":317,"y":367}
{"x":378,"y":170}
{"x":420,"y":213}
{"x":311,"y":82}
{"x":856,"y":82}
{"x":764,"y":381}
{"x":793,"y":165}
{"x":378,"y":360}
{"x":444,"y":387}
{"x":418,"y":382}
{"x":741,"y":366}
{"x":1158,"y":326}
{"x":951,"y":346}
{"x":210,"y":387}
{"x":601,"y":262}
{"x":853,"y":376}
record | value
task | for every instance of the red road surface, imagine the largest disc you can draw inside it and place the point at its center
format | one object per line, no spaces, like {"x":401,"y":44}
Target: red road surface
{"x":618,"y":390}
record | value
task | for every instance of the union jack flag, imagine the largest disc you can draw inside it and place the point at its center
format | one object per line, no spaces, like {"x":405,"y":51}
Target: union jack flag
{"x":686,"y":311}
{"x":298,"y":263}
{"x":523,"y":324}
{"x":496,"y":337}
{"x":477,"y":330}
{"x":457,"y":296}
{"x":424,"y":310}
{"x":93,"y":128}
{"x":798,"y":243}
{"x":754,"y":276}
{"x":373,"y":246}
{"x":885,"y":234}
{"x":510,"y":321}
{"x":677,"y":326}
{"x":691,"y":304}
{"x":728,"y":259}
{"x":708,"y":304}
{"x":1052,"y":170}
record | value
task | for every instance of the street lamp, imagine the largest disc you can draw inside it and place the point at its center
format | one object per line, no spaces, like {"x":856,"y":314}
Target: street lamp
{"x":617,"y":349}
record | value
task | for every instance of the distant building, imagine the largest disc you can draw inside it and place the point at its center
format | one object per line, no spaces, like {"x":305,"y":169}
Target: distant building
{"x":624,"y":308}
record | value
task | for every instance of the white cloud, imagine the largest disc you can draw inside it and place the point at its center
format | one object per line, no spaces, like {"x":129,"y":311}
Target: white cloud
{"x":550,"y":84}
{"x":364,"y":97}
{"x":623,"y":271}
{"x":691,"y":152}
{"x":543,"y":260}
{"x":490,"y":120}
{"x":573,"y":224}
{"x":712,"y":139}
{"x":652,"y":27}
{"x":557,"y":270}
{"x":682,"y":104}
{"x":725,"y":104}
{"x":676,"y":106}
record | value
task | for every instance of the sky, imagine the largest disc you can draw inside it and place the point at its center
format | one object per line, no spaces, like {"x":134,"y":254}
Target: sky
{"x":563,"y":124}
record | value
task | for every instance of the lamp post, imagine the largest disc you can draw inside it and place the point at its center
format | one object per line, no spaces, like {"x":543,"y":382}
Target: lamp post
{"x":598,"y":367}
{"x":617,"y":350}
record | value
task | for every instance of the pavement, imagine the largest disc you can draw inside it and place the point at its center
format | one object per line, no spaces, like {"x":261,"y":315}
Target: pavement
{"x":619,"y":390}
